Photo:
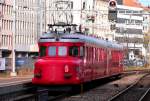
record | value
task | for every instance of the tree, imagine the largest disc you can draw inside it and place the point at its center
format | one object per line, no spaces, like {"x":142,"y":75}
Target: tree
{"x":147,"y":45}
{"x":146,"y":39}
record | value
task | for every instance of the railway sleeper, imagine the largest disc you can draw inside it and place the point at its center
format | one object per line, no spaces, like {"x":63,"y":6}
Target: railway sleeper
{"x":25,"y":97}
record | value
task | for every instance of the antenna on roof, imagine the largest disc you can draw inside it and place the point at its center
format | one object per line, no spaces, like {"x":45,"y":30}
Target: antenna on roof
{"x":61,"y":24}
{"x":61,"y":27}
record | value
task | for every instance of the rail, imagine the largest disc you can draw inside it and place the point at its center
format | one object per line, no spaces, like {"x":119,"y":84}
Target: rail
{"x":121,"y":95}
{"x":143,"y":98}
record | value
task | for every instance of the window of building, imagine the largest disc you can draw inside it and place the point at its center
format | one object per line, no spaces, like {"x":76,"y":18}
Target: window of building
{"x":73,"y":51}
{"x":42,"y":51}
{"x":2,"y":9}
{"x":2,"y":24}
{"x":62,"y":50}
{"x":71,"y":5}
{"x":9,"y":39}
{"x":83,"y":5}
{"x":52,"y":51}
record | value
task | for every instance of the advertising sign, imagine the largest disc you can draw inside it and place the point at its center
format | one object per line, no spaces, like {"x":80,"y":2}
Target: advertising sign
{"x":2,"y":64}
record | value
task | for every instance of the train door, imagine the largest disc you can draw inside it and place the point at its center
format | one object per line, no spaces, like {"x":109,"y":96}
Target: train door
{"x":92,"y":65}
{"x":87,"y":65}
{"x":108,"y":62}
{"x":115,"y":61}
{"x":120,"y":61}
{"x":101,"y":62}
{"x":83,"y":57}
{"x":105,"y":61}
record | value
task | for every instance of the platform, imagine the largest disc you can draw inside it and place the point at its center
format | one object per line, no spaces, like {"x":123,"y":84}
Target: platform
{"x":8,"y":81}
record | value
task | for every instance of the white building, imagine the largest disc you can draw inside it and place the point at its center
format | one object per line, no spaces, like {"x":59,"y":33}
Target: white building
{"x":91,"y":15}
{"x":129,"y":29}
{"x":26,"y":28}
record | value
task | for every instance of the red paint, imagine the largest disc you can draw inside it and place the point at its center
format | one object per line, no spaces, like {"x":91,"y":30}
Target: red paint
{"x":59,"y":70}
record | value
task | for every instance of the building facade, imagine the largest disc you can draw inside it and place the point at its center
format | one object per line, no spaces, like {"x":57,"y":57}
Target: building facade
{"x":96,"y":21}
{"x":26,"y":28}
{"x":146,"y":31}
{"x":90,"y":15}
{"x":129,"y":30}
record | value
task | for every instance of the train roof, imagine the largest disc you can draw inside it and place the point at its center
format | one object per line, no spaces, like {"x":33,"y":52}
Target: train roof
{"x":76,"y":37}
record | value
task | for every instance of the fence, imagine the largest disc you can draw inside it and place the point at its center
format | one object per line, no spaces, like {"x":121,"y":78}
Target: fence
{"x":20,"y":63}
{"x":138,"y":63}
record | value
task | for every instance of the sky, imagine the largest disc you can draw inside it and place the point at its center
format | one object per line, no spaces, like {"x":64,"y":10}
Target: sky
{"x":145,"y":2}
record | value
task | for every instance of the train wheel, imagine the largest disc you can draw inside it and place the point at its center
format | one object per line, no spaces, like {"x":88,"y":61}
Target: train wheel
{"x":77,"y":89}
{"x":119,"y":76}
{"x":81,"y":88}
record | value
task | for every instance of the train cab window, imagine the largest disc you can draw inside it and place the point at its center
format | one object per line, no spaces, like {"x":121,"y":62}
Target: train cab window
{"x":42,"y":51}
{"x":52,"y":51}
{"x":62,"y":51}
{"x":81,"y":51}
{"x":73,"y":51}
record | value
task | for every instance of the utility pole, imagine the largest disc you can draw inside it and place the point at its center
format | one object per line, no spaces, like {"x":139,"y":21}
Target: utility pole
{"x":39,"y":18}
{"x":45,"y":11}
{"x":13,"y":72}
{"x":93,"y":23}
{"x":80,"y":25}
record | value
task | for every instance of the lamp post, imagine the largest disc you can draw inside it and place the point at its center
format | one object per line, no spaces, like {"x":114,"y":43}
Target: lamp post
{"x":127,"y":40}
{"x":13,"y":72}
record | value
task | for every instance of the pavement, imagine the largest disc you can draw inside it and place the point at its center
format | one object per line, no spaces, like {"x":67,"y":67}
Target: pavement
{"x":7,"y":81}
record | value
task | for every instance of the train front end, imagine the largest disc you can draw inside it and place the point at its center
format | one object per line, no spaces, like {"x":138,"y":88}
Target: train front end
{"x":59,"y":62}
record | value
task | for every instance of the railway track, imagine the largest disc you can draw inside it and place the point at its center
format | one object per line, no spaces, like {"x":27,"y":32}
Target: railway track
{"x":40,"y":96}
{"x":28,"y":92}
{"x":31,"y":94}
{"x":103,"y":91}
{"x":138,"y":91}
{"x":14,"y":92}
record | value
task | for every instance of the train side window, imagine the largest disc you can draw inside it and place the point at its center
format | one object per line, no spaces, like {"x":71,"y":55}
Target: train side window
{"x":102,"y":54}
{"x":52,"y":51}
{"x":42,"y":51}
{"x":62,"y":50}
{"x":87,"y":53}
{"x":73,"y":51}
{"x":90,"y":54}
{"x":81,"y":51}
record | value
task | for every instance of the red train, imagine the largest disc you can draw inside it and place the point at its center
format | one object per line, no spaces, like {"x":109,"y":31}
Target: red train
{"x":76,"y":58}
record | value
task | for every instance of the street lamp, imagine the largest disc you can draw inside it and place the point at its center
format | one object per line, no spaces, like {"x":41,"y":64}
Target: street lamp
{"x":13,"y":72}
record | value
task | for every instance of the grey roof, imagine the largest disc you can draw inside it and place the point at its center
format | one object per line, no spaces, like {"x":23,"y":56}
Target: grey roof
{"x":80,"y":38}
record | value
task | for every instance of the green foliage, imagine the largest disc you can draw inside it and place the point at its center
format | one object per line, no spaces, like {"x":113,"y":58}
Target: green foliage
{"x":146,"y":39}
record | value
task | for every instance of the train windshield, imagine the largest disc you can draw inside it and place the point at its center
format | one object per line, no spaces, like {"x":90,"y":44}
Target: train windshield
{"x":52,"y":51}
{"x":62,"y":51}
{"x":42,"y":51}
{"x":73,"y":51}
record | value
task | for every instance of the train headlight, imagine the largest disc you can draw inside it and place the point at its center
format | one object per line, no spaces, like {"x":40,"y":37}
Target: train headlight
{"x":38,"y":73}
{"x":66,"y":68}
{"x":67,"y":73}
